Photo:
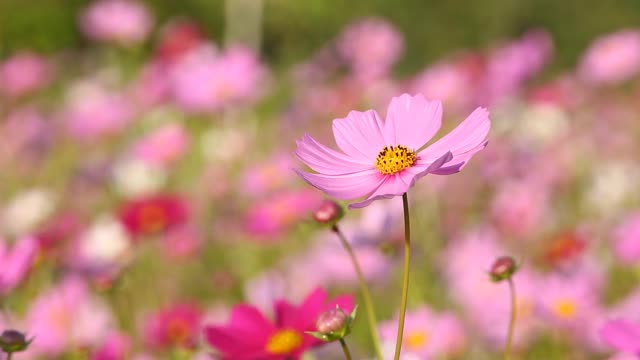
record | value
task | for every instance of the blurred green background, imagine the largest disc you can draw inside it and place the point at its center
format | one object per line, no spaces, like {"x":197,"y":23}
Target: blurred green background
{"x":294,"y":28}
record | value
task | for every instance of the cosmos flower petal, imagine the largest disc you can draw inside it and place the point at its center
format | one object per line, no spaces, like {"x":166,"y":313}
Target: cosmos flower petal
{"x":327,"y":161}
{"x":360,"y":135}
{"x":393,"y":185}
{"x":346,"y":186}
{"x":622,"y":335}
{"x":412,"y":120}
{"x":422,"y":168}
{"x":464,"y":141}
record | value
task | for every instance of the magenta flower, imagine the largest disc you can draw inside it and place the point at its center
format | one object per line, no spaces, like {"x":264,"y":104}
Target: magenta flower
{"x":622,"y":335}
{"x":16,"y":263}
{"x":382,"y":160}
{"x":249,"y":335}
{"x":176,"y":325}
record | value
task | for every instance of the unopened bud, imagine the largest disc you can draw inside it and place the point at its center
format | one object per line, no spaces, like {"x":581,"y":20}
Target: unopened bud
{"x":13,"y":341}
{"x":503,"y":268}
{"x":329,"y":212}
{"x":331,"y":321}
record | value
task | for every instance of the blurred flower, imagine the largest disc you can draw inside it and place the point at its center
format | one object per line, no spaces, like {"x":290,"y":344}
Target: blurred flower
{"x":612,"y":59}
{"x":206,"y":81}
{"x":17,"y":262}
{"x":272,"y":216}
{"x":626,"y":237}
{"x":612,"y":186}
{"x":622,"y":335}
{"x":519,"y":208}
{"x":370,"y":47}
{"x":181,"y":242}
{"x":427,"y":334}
{"x":104,"y":246}
{"x":164,"y":146}
{"x":27,"y":210}
{"x":92,"y":111}
{"x":116,"y":346}
{"x":267,"y":176}
{"x":381,"y":161}
{"x":24,"y":73}
{"x":452,"y":82}
{"x":120,"y":21}
{"x":250,"y":335}
{"x":153,"y":214}
{"x":176,"y":325}
{"x":67,"y":317}
{"x":177,"y":39}
{"x":135,"y":177}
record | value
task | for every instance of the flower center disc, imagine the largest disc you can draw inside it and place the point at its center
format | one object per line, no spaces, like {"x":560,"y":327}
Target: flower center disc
{"x":393,"y":159}
{"x":284,"y":342}
{"x":565,"y":309}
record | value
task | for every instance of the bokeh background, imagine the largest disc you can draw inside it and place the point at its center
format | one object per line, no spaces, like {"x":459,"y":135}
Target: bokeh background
{"x":147,"y":184}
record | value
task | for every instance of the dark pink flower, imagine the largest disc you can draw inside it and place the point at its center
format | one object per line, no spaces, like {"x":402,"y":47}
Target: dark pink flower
{"x":249,"y":335}
{"x":16,"y":262}
{"x":622,"y":335}
{"x":176,"y":325}
{"x":153,"y":214}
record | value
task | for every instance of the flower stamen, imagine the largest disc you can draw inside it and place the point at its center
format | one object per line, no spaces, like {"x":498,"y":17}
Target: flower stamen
{"x":393,"y":159}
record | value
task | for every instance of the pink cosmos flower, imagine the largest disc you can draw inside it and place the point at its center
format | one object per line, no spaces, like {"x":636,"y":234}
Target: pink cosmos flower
{"x":176,"y":325}
{"x":249,"y":335}
{"x":612,"y":59}
{"x":117,"y":346}
{"x":24,"y":73}
{"x":67,"y":316}
{"x":382,"y":160}
{"x":622,"y":335}
{"x":163,"y":146}
{"x":120,"y":21}
{"x":206,"y":81}
{"x":519,"y":207}
{"x":625,"y":236}
{"x":371,"y":47}
{"x":16,"y":262}
{"x":427,"y":334}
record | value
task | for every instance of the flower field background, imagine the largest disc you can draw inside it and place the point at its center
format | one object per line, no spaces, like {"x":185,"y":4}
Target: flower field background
{"x":156,"y":163}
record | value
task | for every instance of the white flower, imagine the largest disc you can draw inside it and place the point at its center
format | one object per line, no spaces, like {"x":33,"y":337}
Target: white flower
{"x":134,"y":177}
{"x":26,"y":210}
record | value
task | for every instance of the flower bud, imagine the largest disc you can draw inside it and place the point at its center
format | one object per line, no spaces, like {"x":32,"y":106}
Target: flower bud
{"x":329,"y":212}
{"x":503,"y":268}
{"x":331,"y":321}
{"x":13,"y":341}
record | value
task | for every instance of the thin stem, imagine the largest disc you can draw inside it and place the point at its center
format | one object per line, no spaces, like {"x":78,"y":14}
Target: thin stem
{"x":9,"y":354}
{"x":405,"y":280}
{"x":512,"y":321}
{"x":345,"y":348}
{"x":366,"y":295}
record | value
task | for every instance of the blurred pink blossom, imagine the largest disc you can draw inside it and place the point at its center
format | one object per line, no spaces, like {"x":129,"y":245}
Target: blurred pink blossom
{"x":16,"y":262}
{"x":612,"y":59}
{"x":519,"y":208}
{"x":116,"y":346}
{"x":370,"y":47}
{"x":206,"y":81}
{"x":626,"y":239}
{"x":125,"y":22}
{"x":175,"y":325}
{"x":163,"y":146}
{"x":427,"y":334}
{"x":67,"y":316}
{"x":24,"y":73}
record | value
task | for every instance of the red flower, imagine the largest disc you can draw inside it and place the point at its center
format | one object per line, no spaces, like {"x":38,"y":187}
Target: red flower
{"x":249,"y":335}
{"x":153,"y":214}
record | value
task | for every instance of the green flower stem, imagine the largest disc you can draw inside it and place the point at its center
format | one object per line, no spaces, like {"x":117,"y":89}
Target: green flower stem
{"x":512,"y":321}
{"x":405,"y":280}
{"x":345,"y":348}
{"x":366,"y":295}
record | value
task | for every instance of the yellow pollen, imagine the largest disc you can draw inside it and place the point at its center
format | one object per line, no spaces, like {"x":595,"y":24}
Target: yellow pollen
{"x":416,"y":340}
{"x":393,"y":159}
{"x":284,"y":342}
{"x":565,"y":308}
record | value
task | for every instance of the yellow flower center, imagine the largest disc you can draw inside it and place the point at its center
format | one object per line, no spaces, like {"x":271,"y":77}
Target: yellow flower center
{"x":416,"y":340}
{"x":284,"y":342}
{"x":565,"y":308}
{"x":393,"y":159}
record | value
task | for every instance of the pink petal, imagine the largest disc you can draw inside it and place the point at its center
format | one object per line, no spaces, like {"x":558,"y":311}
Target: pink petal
{"x":393,"y":185}
{"x":327,"y":161}
{"x":347,"y":186}
{"x":422,"y":168}
{"x":359,"y":135}
{"x":622,"y":335}
{"x":464,"y":141}
{"x":412,"y":121}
